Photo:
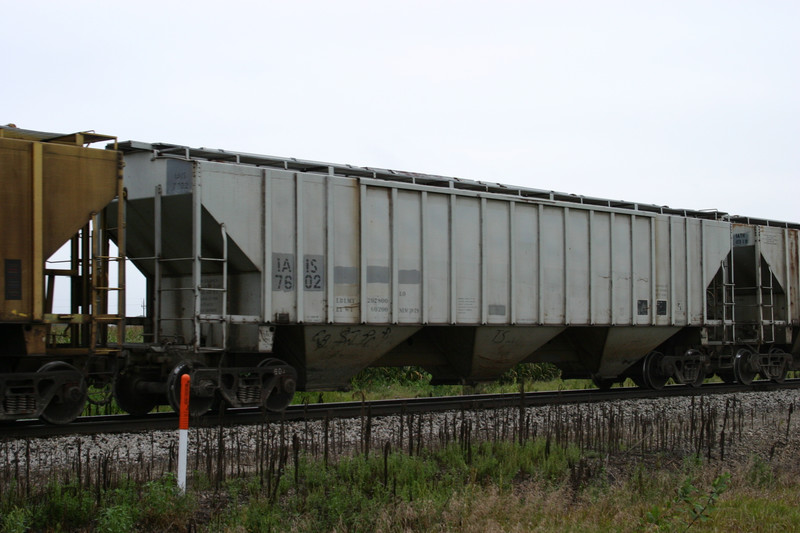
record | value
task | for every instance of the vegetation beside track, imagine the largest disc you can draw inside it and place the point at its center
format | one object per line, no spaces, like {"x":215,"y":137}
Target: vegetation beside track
{"x":533,"y":486}
{"x":414,"y":382}
{"x":725,"y":466}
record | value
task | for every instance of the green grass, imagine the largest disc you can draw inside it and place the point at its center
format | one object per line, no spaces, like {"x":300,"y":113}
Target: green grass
{"x":535,"y":485}
{"x":362,"y":493}
{"x":484,"y":486}
{"x":128,"y":506}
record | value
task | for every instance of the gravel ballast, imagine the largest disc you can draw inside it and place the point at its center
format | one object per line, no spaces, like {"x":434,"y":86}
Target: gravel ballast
{"x":727,"y":427}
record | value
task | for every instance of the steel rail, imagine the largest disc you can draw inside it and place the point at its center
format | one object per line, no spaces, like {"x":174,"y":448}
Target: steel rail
{"x":115,"y":424}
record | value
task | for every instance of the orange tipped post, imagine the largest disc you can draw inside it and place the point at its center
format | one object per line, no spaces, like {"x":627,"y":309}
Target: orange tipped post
{"x":184,"y":414}
{"x":183,"y":432}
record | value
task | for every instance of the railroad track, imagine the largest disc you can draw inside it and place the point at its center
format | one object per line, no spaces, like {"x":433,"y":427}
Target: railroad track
{"x":166,"y":421}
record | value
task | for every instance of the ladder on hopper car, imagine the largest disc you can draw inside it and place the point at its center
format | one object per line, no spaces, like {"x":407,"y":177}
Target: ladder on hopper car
{"x":765,"y":297}
{"x":760,"y":329}
{"x":756,"y":323}
{"x":87,"y":323}
{"x":209,"y":302}
{"x":206,"y":314}
{"x":724,"y":312}
{"x":101,"y":285}
{"x":91,"y":263}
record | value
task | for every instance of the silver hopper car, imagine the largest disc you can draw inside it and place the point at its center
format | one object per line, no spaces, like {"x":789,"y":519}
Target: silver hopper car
{"x":268,"y":274}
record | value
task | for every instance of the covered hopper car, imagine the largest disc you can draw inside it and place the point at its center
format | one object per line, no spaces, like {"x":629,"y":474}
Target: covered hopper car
{"x":268,"y":274}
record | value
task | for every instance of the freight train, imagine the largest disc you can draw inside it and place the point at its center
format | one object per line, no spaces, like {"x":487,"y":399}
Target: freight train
{"x":266,"y":275}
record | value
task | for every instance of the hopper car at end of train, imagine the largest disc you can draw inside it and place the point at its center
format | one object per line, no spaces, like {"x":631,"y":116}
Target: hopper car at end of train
{"x":266,"y":275}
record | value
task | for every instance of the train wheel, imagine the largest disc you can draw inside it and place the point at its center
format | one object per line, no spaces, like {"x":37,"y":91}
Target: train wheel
{"x":280,"y":397}
{"x":651,"y":371}
{"x":70,"y":398}
{"x":603,"y":383}
{"x":128,"y":399}
{"x":743,"y":367}
{"x":198,"y":405}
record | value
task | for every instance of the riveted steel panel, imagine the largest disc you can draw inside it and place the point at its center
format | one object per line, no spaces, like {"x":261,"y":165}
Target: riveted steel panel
{"x":525,"y":268}
{"x":496,"y":237}
{"x":466,"y":260}
{"x":436,"y":256}
{"x":408,"y":219}
{"x":345,"y":254}
{"x":389,"y":252}
{"x":376,"y":224}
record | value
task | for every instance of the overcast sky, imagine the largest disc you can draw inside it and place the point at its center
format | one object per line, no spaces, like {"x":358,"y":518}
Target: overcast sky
{"x":690,"y":104}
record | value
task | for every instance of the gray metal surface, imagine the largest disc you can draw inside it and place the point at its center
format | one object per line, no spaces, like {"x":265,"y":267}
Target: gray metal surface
{"x":350,"y":254}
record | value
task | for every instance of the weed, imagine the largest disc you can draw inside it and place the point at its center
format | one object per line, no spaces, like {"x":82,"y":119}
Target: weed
{"x":117,"y":519}
{"x":62,"y":504}
{"x":526,"y":372}
{"x":689,"y":506}
{"x":759,"y":473}
{"x":163,"y":504}
{"x":17,"y":520}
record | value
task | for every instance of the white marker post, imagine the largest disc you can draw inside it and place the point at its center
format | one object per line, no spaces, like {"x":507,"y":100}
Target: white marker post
{"x":183,"y":433}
